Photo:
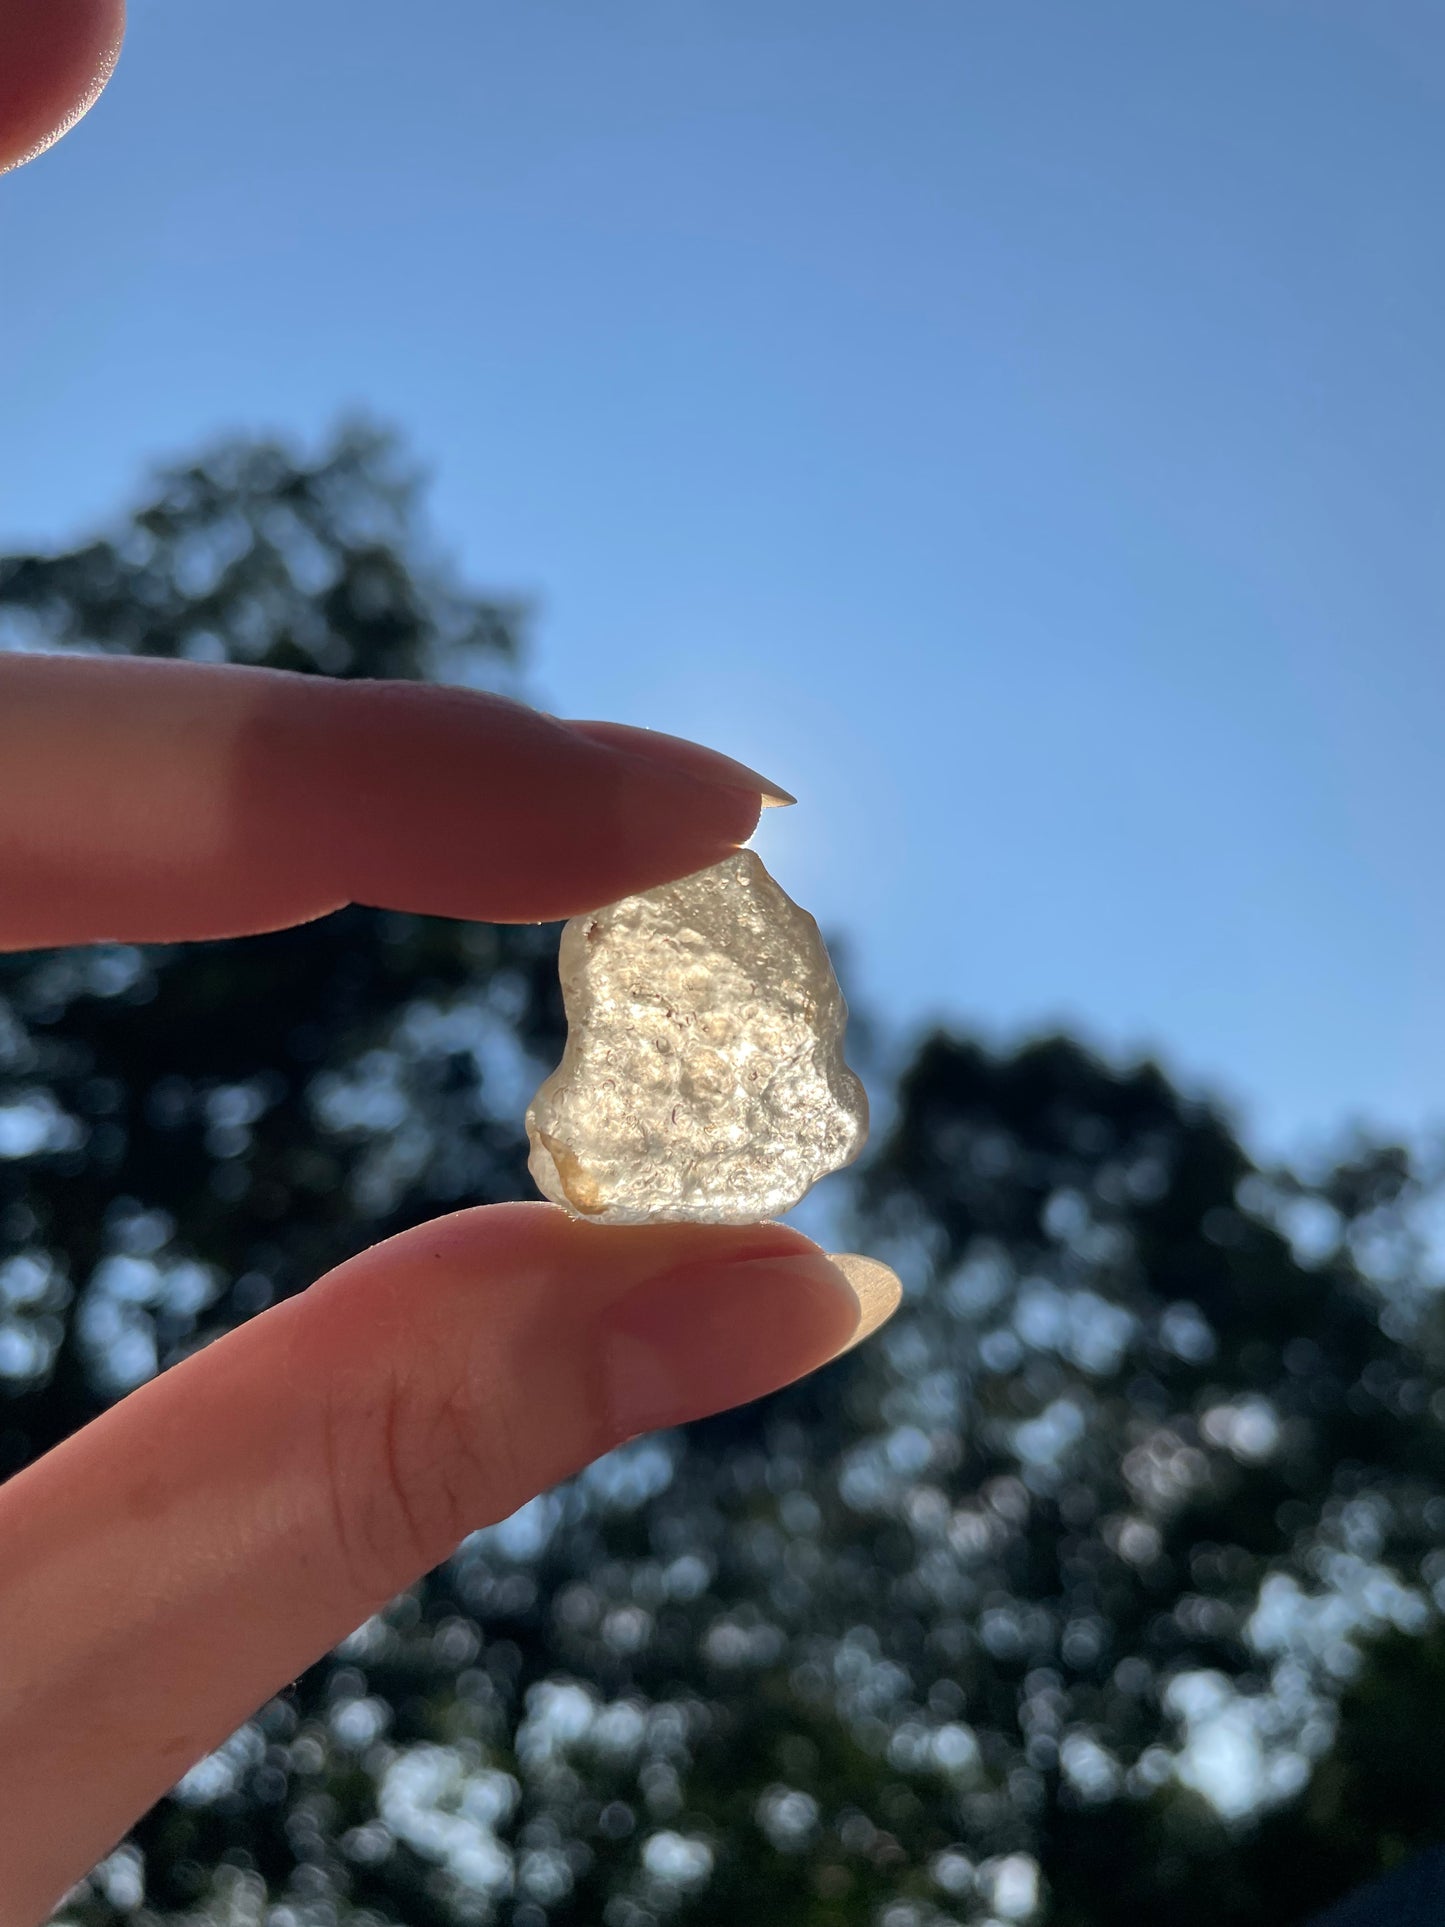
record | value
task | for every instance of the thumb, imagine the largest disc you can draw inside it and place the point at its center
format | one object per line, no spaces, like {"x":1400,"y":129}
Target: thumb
{"x":179,"y":1560}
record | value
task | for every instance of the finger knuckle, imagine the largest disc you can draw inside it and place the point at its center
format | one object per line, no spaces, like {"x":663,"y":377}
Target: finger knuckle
{"x":407,"y":1465}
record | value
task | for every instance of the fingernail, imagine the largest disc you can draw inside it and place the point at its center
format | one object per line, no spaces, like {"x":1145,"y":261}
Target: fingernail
{"x":685,"y":758}
{"x":708,"y":1337}
{"x":877,"y":1289}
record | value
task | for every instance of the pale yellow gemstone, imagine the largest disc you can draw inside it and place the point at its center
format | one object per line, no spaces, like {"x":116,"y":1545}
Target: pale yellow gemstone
{"x":703,"y":1078}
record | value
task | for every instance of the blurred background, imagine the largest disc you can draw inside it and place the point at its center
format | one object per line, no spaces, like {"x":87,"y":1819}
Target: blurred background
{"x":1016,"y":430}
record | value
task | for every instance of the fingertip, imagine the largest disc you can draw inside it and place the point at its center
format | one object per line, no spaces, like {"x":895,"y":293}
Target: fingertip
{"x":453,"y":802}
{"x":686,"y":758}
{"x":55,"y":59}
{"x":626,"y":1329}
{"x":721,"y":1333}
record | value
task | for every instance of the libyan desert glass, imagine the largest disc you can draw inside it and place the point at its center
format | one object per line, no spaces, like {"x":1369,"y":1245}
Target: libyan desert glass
{"x":703,"y":1079}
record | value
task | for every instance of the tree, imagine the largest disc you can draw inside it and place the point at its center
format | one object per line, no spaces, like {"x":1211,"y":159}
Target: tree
{"x":1151,"y":1457}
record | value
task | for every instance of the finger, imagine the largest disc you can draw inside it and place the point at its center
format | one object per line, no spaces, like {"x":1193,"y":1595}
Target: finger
{"x":179,"y":1560}
{"x":154,"y":801}
{"x":55,"y":57}
{"x":665,"y":748}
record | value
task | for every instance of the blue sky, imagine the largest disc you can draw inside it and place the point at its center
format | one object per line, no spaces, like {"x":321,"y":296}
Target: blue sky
{"x":1016,"y":427}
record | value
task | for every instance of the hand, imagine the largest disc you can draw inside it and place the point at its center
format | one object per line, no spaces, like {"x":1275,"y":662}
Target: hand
{"x":179,"y":1560}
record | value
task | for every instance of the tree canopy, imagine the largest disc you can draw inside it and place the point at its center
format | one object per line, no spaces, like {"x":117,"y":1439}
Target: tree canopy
{"x":1108,"y":1578}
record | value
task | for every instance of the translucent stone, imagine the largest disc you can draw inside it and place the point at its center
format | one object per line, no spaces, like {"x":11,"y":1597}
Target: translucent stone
{"x":703,"y":1079}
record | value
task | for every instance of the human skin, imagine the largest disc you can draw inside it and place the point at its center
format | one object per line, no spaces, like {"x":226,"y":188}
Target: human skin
{"x":177,"y":1561}
{"x":170,"y":1566}
{"x":55,"y":57}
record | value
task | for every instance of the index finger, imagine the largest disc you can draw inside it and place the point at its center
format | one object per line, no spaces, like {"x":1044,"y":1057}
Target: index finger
{"x":55,"y":57}
{"x":150,"y":801}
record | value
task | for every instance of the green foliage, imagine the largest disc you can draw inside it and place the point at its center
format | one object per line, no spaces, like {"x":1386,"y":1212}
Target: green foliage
{"x":1152,"y":1455}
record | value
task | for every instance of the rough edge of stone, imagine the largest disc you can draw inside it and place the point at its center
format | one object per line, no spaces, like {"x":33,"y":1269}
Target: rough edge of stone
{"x":543,"y":1151}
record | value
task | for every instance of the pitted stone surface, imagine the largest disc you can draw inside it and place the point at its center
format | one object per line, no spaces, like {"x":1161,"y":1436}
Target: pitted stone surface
{"x":703,"y":1079}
